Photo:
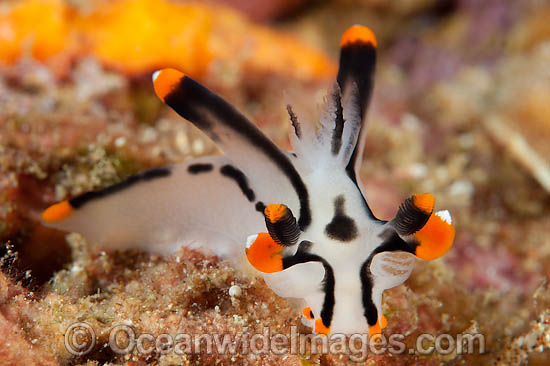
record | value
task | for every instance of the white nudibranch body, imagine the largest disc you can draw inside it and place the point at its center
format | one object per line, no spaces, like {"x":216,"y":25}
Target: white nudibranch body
{"x":301,"y":217}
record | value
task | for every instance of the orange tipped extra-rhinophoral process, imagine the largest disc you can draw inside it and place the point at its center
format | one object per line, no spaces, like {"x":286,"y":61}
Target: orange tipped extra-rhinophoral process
{"x":57,"y":212}
{"x":323,"y":245}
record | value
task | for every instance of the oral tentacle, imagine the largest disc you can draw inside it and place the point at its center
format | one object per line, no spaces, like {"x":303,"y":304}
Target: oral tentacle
{"x":264,"y":254}
{"x":436,"y":237}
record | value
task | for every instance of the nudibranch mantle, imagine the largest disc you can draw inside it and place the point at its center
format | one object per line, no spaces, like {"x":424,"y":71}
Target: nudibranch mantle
{"x":301,"y":217}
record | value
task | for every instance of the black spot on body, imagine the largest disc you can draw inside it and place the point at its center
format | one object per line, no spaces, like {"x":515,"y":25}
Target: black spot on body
{"x":341,"y":227}
{"x":206,"y":109}
{"x":145,"y":176}
{"x":239,"y":177}
{"x":200,"y":168}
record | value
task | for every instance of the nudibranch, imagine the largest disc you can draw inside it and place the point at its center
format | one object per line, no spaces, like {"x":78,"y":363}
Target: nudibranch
{"x":301,"y":217}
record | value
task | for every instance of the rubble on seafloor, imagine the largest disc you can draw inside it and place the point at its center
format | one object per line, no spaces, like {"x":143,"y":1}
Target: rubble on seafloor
{"x":459,"y":110}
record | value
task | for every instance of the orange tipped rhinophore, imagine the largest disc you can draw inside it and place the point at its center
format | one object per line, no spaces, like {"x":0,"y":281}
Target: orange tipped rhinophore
{"x":57,"y":212}
{"x":275,"y":211}
{"x":165,"y":81}
{"x":425,"y":202}
{"x":281,"y":224}
{"x":435,"y":238}
{"x":264,"y":254}
{"x":360,"y":34}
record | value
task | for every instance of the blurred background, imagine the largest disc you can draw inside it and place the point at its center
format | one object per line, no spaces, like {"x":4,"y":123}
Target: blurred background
{"x":461,"y":109}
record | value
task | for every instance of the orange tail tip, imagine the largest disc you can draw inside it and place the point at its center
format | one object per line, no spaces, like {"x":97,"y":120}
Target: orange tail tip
{"x":275,"y":211}
{"x":377,"y":328}
{"x":436,"y":237}
{"x":358,"y":34}
{"x":320,"y":327}
{"x":57,"y":212}
{"x":374,"y":330}
{"x":307,"y":313}
{"x":264,"y":254}
{"x":165,"y":81}
{"x":425,"y":202}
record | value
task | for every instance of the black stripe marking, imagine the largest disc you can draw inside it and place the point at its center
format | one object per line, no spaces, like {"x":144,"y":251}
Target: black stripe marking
{"x":357,"y":65}
{"x":370,"y":312}
{"x":145,"y":176}
{"x":202,"y":107}
{"x":155,"y":173}
{"x":200,"y":168}
{"x":342,"y":227}
{"x":294,"y":121}
{"x":239,"y":177}
{"x":338,"y":122}
{"x":302,"y":256}
{"x":392,"y":243}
